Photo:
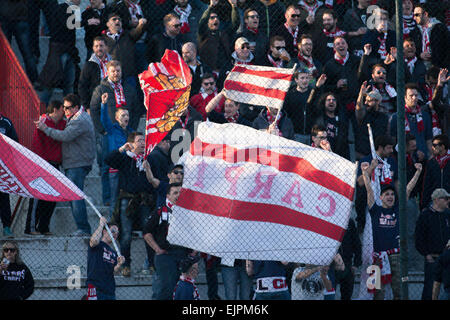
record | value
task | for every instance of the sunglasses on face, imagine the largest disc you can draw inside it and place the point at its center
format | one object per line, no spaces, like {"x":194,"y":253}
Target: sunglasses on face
{"x":208,"y":83}
{"x":246,"y":46}
{"x":178,"y":172}
{"x":213,"y":17}
{"x":321,"y":137}
{"x":417,"y":14}
{"x":68,"y":107}
{"x":280,"y":47}
{"x":9,"y":250}
{"x":435,"y":145}
{"x":295,"y":16}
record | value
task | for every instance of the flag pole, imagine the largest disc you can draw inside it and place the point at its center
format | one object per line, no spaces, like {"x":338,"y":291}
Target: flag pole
{"x":279,"y":110}
{"x":106,"y":226}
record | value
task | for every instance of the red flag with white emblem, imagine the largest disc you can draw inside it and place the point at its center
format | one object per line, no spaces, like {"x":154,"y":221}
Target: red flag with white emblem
{"x":24,"y":173}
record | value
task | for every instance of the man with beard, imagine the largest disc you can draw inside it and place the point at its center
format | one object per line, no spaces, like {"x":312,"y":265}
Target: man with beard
{"x":304,"y":59}
{"x":213,"y":43}
{"x":197,"y":68}
{"x":432,"y":34}
{"x":367,"y":112}
{"x":259,"y":42}
{"x":336,"y":122}
{"x":94,"y":70}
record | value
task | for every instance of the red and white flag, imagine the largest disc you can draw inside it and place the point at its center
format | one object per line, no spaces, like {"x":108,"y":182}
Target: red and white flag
{"x":258,"y":85}
{"x":248,"y":194}
{"x":24,"y":173}
{"x":166,"y":87}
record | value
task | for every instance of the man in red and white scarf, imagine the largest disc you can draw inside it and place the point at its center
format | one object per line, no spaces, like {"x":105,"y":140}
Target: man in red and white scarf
{"x":207,"y":92}
{"x":291,"y":30}
{"x":184,"y":10}
{"x":434,"y":87}
{"x":114,"y":79}
{"x":305,"y":59}
{"x":277,"y":56}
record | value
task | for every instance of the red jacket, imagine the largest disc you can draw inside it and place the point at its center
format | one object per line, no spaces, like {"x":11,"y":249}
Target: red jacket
{"x":46,"y":147}
{"x":199,"y":102}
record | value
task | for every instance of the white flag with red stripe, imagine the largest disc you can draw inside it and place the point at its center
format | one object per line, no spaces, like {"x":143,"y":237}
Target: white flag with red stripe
{"x":24,"y":173}
{"x":248,"y":194}
{"x":258,"y":85}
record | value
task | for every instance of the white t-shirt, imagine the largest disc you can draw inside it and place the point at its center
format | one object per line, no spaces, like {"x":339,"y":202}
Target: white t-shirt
{"x":311,"y":288}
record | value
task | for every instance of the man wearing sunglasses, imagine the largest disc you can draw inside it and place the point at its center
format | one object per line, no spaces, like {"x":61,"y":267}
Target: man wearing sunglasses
{"x":437,"y":174}
{"x":207,"y":92}
{"x":277,"y":56}
{"x":291,"y":30}
{"x":171,"y":38}
{"x":432,"y":234}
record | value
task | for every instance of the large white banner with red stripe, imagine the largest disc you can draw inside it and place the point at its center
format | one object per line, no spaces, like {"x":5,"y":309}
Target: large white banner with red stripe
{"x":24,"y":173}
{"x":248,"y":194}
{"x":258,"y":85}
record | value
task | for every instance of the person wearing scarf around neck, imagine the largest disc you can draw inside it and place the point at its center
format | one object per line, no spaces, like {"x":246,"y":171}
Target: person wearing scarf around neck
{"x":94,"y":70}
{"x":267,"y":121}
{"x":380,"y":37}
{"x":277,"y":55}
{"x":230,"y":114}
{"x":135,"y":199}
{"x":435,"y":96}
{"x":431,"y":37}
{"x":417,"y":122}
{"x":325,"y":36}
{"x":240,"y":56}
{"x":385,"y":228}
{"x":437,"y":173}
{"x":186,"y":288}
{"x":78,"y":153}
{"x":196,"y":66}
{"x":207,"y":92}
{"x":258,"y":40}
{"x":291,"y":29}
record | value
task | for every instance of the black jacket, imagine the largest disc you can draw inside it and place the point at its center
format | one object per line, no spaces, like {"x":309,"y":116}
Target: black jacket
{"x":434,"y":177}
{"x":260,"y":39}
{"x":350,"y":249}
{"x":160,"y":42}
{"x":159,"y":163}
{"x":131,"y":179}
{"x":432,"y":231}
{"x":218,"y":117}
{"x":442,"y":269}
{"x":16,"y":283}
{"x":89,"y":80}
{"x":285,"y":126}
{"x":92,"y":31}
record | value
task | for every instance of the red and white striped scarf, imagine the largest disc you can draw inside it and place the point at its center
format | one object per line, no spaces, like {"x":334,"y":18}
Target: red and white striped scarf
{"x":184,"y":123}
{"x":383,"y":50}
{"x":139,"y":158}
{"x":341,"y":61}
{"x":135,"y":9}
{"x":337,"y":33}
{"x":234,"y":118}
{"x":384,"y":171}
{"x":196,"y":295}
{"x":184,"y":16}
{"x":425,"y":37}
{"x":294,"y":34}
{"x":434,"y":116}
{"x":442,"y":160}
{"x":252,"y":30}
{"x":418,"y":114}
{"x":410,"y":64}
{"x":118,"y":93}
{"x":311,"y":9}
{"x":308,"y":61}
{"x":276,"y":64}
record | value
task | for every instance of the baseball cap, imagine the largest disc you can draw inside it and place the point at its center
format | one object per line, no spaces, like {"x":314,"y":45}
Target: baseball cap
{"x":374,"y":95}
{"x":240,"y":41}
{"x":187,"y":263}
{"x":387,"y":187}
{"x":174,"y":166}
{"x":439,"y":193}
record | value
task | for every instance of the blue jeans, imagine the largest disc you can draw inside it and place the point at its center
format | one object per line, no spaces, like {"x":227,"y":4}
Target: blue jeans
{"x":21,"y":31}
{"x":68,"y":67}
{"x":166,"y":273}
{"x":283,"y":295}
{"x":126,"y":228}
{"x":102,"y":296}
{"x":77,"y":176}
{"x":428,"y":280}
{"x":231,"y":276}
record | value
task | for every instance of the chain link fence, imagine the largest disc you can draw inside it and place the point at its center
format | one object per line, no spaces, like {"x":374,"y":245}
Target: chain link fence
{"x":248,"y":197}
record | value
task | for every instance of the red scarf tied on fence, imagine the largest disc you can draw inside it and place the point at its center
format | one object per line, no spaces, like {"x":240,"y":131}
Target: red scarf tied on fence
{"x":415,"y":111}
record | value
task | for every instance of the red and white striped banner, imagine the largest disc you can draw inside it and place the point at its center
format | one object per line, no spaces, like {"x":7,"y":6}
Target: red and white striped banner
{"x":248,"y":194}
{"x":24,"y":173}
{"x":258,"y":85}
